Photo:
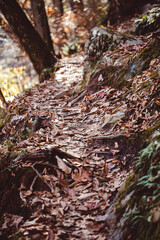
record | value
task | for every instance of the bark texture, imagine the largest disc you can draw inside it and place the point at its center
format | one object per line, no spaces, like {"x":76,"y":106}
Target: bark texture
{"x":41,"y":22}
{"x":29,"y":38}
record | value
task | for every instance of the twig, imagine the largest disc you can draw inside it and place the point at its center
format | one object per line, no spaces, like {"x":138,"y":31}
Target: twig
{"x":62,"y":94}
{"x":50,"y":165}
{"x":33,"y":182}
{"x":39,"y":175}
{"x":78,"y":98}
{"x":3,"y":98}
{"x":109,"y":137}
{"x":46,"y":155}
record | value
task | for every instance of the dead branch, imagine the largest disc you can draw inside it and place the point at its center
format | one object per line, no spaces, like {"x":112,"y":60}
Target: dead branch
{"x":48,"y":155}
{"x":109,"y":137}
{"x":39,"y":175}
{"x":76,"y":99}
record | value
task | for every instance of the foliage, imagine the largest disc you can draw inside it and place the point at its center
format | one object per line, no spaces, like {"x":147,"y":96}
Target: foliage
{"x":15,"y":124}
{"x":71,"y":48}
{"x":142,"y":210}
{"x":66,"y":192}
{"x":12,"y":80}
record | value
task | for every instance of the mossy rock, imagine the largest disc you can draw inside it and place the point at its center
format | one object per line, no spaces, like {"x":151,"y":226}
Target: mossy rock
{"x":101,"y":40}
{"x":119,"y":73}
{"x":147,"y":23}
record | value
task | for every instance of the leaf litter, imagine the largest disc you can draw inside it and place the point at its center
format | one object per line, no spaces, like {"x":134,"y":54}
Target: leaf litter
{"x":73,"y":157}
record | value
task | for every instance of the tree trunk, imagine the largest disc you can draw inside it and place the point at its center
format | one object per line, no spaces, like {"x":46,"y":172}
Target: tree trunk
{"x":58,"y":5}
{"x":35,"y":47}
{"x":41,"y":22}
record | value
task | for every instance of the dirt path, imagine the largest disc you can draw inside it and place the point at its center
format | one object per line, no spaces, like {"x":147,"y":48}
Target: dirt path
{"x":78,"y":151}
{"x":69,"y":209}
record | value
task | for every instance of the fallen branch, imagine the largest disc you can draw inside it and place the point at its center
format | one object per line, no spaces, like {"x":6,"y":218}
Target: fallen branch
{"x":48,"y":155}
{"x":78,"y":98}
{"x":109,"y":137}
{"x":39,"y":175}
{"x":62,"y":94}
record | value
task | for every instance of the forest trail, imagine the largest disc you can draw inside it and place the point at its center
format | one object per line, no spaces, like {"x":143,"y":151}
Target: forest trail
{"x":67,"y":147}
{"x":77,"y":199}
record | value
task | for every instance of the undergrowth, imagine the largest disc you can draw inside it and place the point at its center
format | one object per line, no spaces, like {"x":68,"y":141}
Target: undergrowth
{"x":146,"y":212}
{"x":140,"y":216}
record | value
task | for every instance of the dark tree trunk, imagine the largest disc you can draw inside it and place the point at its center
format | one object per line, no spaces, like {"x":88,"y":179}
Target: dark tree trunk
{"x":41,"y":22}
{"x":75,"y":5}
{"x":58,"y":5}
{"x":29,"y":38}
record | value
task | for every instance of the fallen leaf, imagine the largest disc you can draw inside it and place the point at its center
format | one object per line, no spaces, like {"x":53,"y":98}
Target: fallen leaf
{"x":86,"y":195}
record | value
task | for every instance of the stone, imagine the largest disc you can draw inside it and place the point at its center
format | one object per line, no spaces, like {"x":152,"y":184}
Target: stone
{"x":111,"y":120}
{"x":102,"y":40}
{"x":149,"y":22}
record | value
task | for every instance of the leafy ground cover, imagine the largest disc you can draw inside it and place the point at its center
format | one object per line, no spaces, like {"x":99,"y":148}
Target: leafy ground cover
{"x":65,"y":155}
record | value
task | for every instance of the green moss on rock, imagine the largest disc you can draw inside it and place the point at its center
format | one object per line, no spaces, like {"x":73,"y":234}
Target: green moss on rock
{"x":147,"y":23}
{"x":137,"y":209}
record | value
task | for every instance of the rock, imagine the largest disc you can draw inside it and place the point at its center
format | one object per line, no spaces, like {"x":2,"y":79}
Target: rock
{"x":102,"y":40}
{"x":147,"y":23}
{"x":103,"y":60}
{"x":135,"y":212}
{"x":146,"y":8}
{"x":111,"y":120}
{"x":116,"y":69}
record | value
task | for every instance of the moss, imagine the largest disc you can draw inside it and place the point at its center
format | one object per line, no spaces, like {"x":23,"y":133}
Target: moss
{"x":46,"y":74}
{"x":146,"y":135}
{"x":126,"y":189}
{"x":147,"y":23}
{"x":139,"y":198}
{"x":6,"y":161}
{"x":150,"y":52}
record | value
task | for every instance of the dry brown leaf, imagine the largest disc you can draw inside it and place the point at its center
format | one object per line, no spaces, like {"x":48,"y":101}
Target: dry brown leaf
{"x":81,"y":176}
{"x":63,"y":166}
{"x":106,"y":168}
{"x":114,"y":152}
{"x":82,"y":208}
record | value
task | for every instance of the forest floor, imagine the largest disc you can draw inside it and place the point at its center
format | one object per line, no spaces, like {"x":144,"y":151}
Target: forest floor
{"x":78,"y":152}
